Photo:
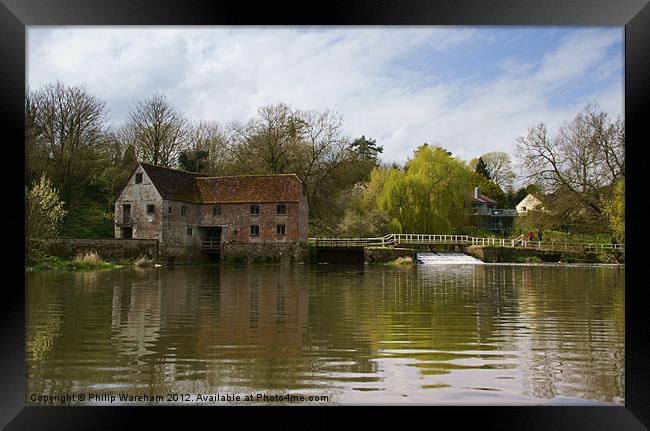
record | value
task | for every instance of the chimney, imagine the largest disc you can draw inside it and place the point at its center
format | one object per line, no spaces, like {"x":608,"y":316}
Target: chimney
{"x":477,"y":192}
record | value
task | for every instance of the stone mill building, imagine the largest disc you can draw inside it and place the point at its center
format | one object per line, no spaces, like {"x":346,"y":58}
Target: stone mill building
{"x":198,"y":217}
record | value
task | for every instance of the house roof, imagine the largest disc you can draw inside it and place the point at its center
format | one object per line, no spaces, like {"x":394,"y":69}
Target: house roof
{"x":478,"y":198}
{"x":179,"y":185}
{"x":250,"y":188}
{"x":482,"y":200}
{"x":173,"y":184}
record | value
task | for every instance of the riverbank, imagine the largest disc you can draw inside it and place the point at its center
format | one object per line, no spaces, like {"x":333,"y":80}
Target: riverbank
{"x":83,"y":262}
{"x":369,"y":255}
{"x":492,"y":254}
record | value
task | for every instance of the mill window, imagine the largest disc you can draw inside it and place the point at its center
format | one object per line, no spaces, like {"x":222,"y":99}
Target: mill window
{"x":255,"y":209}
{"x":280,"y":229}
{"x":281,"y":209}
{"x":150,"y":209}
{"x":183,"y":210}
{"x":189,"y":231}
{"x":138,"y":178}
{"x":216,"y":210}
{"x":126,"y":213}
{"x":255,"y":230}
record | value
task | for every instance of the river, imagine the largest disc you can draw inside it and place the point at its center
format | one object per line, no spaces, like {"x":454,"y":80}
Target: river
{"x":422,"y":334}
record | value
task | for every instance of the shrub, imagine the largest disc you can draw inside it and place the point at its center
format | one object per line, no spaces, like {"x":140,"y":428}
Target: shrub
{"x":44,"y":212}
{"x":609,"y":256}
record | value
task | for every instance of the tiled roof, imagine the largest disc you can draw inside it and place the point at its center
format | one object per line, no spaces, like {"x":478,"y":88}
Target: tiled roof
{"x":250,"y":188}
{"x":184,"y":186}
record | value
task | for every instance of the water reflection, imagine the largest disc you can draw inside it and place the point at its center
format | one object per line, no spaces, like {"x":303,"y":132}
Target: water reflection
{"x":488,"y":334}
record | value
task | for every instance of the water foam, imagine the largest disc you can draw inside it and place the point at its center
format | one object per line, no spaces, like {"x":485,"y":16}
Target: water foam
{"x":433,"y":258}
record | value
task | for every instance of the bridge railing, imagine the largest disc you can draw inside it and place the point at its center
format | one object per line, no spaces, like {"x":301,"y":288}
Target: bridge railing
{"x":416,"y":238}
{"x":431,"y":239}
{"x":568,"y":246}
{"x":352,"y":242}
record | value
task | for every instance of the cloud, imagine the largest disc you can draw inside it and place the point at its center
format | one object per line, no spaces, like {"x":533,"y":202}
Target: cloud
{"x":579,"y":53}
{"x":373,"y":76}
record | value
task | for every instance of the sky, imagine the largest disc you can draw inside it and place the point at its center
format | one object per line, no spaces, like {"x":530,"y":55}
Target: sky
{"x":470,"y":90}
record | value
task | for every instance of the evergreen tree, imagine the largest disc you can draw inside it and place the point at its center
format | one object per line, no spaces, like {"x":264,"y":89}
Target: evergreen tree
{"x":481,"y":168}
{"x":193,"y":161}
{"x":366,"y":149}
{"x":490,"y":189}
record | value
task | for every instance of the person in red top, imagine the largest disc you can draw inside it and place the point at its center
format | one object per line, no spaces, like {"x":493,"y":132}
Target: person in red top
{"x":530,"y":235}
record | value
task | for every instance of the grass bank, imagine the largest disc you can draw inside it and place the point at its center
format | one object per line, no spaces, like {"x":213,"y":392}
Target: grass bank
{"x":493,"y":254}
{"x":82,"y":262}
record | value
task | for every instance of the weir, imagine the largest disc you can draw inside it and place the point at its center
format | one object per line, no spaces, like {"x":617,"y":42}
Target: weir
{"x":433,"y":258}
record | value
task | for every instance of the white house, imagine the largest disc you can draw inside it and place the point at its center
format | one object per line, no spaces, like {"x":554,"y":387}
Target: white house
{"x":529,"y":203}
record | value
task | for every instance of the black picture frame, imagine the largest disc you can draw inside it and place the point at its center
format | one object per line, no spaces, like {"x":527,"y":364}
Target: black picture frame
{"x":15,"y":15}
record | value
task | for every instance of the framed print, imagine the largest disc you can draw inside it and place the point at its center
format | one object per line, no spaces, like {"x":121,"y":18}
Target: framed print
{"x":241,"y":207}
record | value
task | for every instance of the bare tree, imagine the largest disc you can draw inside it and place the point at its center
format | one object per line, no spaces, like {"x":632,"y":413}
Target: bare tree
{"x":500,"y":167}
{"x":324,"y":150}
{"x":585,"y":158}
{"x":160,"y":133}
{"x":213,"y":139}
{"x":71,"y":124}
{"x":311,"y":144}
{"x":121,"y":139}
{"x":36,"y":152}
{"x":269,"y":140}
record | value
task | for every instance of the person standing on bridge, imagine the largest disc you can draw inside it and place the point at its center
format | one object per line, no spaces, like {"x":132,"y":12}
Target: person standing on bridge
{"x":530,"y":236}
{"x":539,"y":235}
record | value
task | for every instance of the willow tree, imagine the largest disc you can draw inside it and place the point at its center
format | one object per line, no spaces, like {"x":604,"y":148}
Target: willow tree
{"x":429,"y":195}
{"x":614,"y":211}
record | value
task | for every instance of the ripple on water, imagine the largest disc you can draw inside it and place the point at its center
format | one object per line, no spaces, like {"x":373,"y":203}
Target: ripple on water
{"x":486,"y":334}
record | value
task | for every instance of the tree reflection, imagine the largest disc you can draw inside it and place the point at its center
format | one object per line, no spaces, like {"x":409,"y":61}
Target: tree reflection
{"x":521,"y":331}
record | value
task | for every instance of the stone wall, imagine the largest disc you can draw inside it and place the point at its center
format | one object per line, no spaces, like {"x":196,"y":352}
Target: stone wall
{"x":107,"y":249}
{"x":182,"y":254}
{"x":265,"y":252}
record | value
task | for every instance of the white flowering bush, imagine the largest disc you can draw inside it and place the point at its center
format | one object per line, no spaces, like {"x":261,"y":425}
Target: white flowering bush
{"x":44,"y":210}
